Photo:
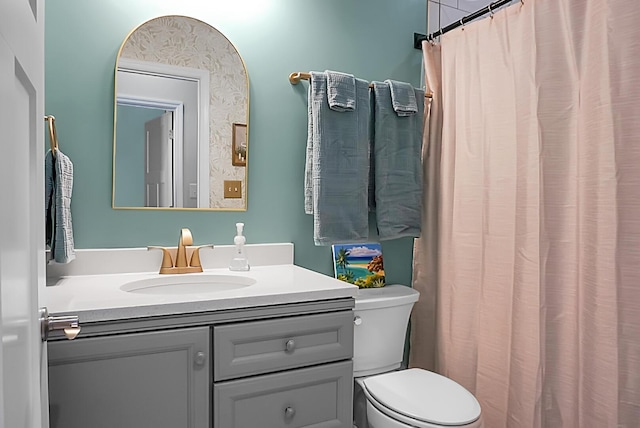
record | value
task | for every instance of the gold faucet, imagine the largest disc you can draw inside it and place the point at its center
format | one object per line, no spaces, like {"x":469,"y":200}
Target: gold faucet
{"x":182,"y":253}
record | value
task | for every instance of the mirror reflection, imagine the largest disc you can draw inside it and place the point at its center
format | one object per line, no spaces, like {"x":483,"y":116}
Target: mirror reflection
{"x":181,"y":118}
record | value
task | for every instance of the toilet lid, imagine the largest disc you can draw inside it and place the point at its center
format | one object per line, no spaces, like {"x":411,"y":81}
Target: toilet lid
{"x":425,"y":396}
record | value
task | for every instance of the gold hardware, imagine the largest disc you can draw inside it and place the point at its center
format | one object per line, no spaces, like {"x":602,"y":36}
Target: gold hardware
{"x":195,"y":256}
{"x":185,"y":239}
{"x":167,"y":260}
{"x":181,"y":254}
{"x":53,"y":136}
{"x":297,"y":76}
{"x":232,"y":189}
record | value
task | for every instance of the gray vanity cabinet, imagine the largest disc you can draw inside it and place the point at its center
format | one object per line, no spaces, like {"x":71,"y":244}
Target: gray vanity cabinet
{"x":154,"y":379}
{"x":271,"y":367}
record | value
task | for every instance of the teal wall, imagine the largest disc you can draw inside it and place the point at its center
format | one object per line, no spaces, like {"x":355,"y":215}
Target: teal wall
{"x":370,"y":38}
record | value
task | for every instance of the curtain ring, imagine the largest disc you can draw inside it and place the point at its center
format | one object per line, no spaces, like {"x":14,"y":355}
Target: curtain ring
{"x":462,"y":23}
{"x":490,"y":11}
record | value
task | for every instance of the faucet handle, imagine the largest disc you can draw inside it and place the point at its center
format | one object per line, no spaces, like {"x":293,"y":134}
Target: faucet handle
{"x":167,"y":261}
{"x":185,"y":236}
{"x":195,"y":256}
{"x":181,"y":254}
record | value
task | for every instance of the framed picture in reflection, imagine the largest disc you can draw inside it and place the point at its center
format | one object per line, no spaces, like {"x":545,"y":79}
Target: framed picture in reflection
{"x":239,"y":145}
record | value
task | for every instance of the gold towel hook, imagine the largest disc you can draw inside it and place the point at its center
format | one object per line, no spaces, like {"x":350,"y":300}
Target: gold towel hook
{"x":53,"y":136}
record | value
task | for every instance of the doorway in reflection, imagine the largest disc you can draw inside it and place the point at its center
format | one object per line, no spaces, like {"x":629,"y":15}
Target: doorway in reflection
{"x":158,"y":152}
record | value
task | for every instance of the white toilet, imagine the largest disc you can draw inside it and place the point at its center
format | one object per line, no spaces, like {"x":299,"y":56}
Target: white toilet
{"x":385,"y":397}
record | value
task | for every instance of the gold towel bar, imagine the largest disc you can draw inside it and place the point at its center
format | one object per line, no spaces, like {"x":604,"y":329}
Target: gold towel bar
{"x":296,"y":76}
{"x":53,"y":136}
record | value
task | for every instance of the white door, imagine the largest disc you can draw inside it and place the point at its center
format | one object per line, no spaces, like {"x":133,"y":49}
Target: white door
{"x":23,"y":369}
{"x":159,"y":161}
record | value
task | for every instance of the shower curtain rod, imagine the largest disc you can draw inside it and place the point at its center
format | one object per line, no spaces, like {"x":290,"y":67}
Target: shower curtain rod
{"x":418,"y":38}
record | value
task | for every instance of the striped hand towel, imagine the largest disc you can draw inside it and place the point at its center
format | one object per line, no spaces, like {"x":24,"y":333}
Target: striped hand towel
{"x":58,"y":189}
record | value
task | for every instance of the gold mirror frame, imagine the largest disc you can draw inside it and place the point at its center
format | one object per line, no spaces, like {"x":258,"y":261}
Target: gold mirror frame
{"x":180,"y":41}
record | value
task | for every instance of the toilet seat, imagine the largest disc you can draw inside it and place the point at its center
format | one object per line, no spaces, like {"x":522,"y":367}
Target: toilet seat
{"x":422,"y":399}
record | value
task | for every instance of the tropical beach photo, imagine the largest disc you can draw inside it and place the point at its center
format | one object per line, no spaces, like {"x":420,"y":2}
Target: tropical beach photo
{"x":359,"y":264}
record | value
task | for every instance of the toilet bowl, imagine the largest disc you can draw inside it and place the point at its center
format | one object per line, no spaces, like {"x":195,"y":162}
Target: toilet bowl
{"x":385,"y":397}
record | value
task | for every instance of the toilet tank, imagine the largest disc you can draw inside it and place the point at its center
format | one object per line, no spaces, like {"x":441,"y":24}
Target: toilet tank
{"x":381,"y":316}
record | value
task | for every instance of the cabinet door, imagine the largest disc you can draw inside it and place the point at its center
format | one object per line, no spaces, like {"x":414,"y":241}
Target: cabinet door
{"x":157,"y":379}
{"x":318,"y":397}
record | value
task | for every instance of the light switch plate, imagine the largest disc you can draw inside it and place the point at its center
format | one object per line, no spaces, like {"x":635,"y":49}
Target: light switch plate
{"x":193,"y":190}
{"x":232,"y":189}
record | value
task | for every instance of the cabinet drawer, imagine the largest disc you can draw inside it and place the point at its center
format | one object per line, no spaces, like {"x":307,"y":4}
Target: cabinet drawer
{"x":250,"y":348}
{"x":313,"y":397}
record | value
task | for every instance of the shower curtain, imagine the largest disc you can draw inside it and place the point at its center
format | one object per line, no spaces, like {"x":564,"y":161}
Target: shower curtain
{"x":529,"y":263}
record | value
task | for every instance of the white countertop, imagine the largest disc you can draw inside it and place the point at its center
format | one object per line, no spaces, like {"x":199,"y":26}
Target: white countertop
{"x":99,"y":297}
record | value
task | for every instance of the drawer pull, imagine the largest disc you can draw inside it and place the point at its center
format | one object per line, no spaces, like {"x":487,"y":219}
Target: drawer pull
{"x":290,"y":346}
{"x":200,"y":359}
{"x":357,"y":320}
{"x":289,"y":412}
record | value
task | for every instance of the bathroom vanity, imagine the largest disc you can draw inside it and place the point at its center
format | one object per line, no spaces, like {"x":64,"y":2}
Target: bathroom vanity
{"x":273,"y":354}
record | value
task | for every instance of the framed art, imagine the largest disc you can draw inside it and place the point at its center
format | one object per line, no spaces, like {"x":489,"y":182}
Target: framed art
{"x":359,"y":264}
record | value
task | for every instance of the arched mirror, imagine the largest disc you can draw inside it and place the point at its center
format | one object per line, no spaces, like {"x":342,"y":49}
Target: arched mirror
{"x":181,"y":118}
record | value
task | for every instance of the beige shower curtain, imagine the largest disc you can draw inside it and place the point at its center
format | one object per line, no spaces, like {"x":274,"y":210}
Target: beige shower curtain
{"x":529,"y":263}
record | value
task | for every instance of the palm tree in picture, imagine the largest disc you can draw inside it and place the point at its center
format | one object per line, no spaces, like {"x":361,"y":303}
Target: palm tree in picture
{"x":341,"y":260}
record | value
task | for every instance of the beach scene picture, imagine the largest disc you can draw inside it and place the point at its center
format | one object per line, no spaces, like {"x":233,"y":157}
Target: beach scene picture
{"x":359,"y":264}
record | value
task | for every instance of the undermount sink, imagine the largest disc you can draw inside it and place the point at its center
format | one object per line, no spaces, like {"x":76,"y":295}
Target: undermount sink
{"x":188,"y":284}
